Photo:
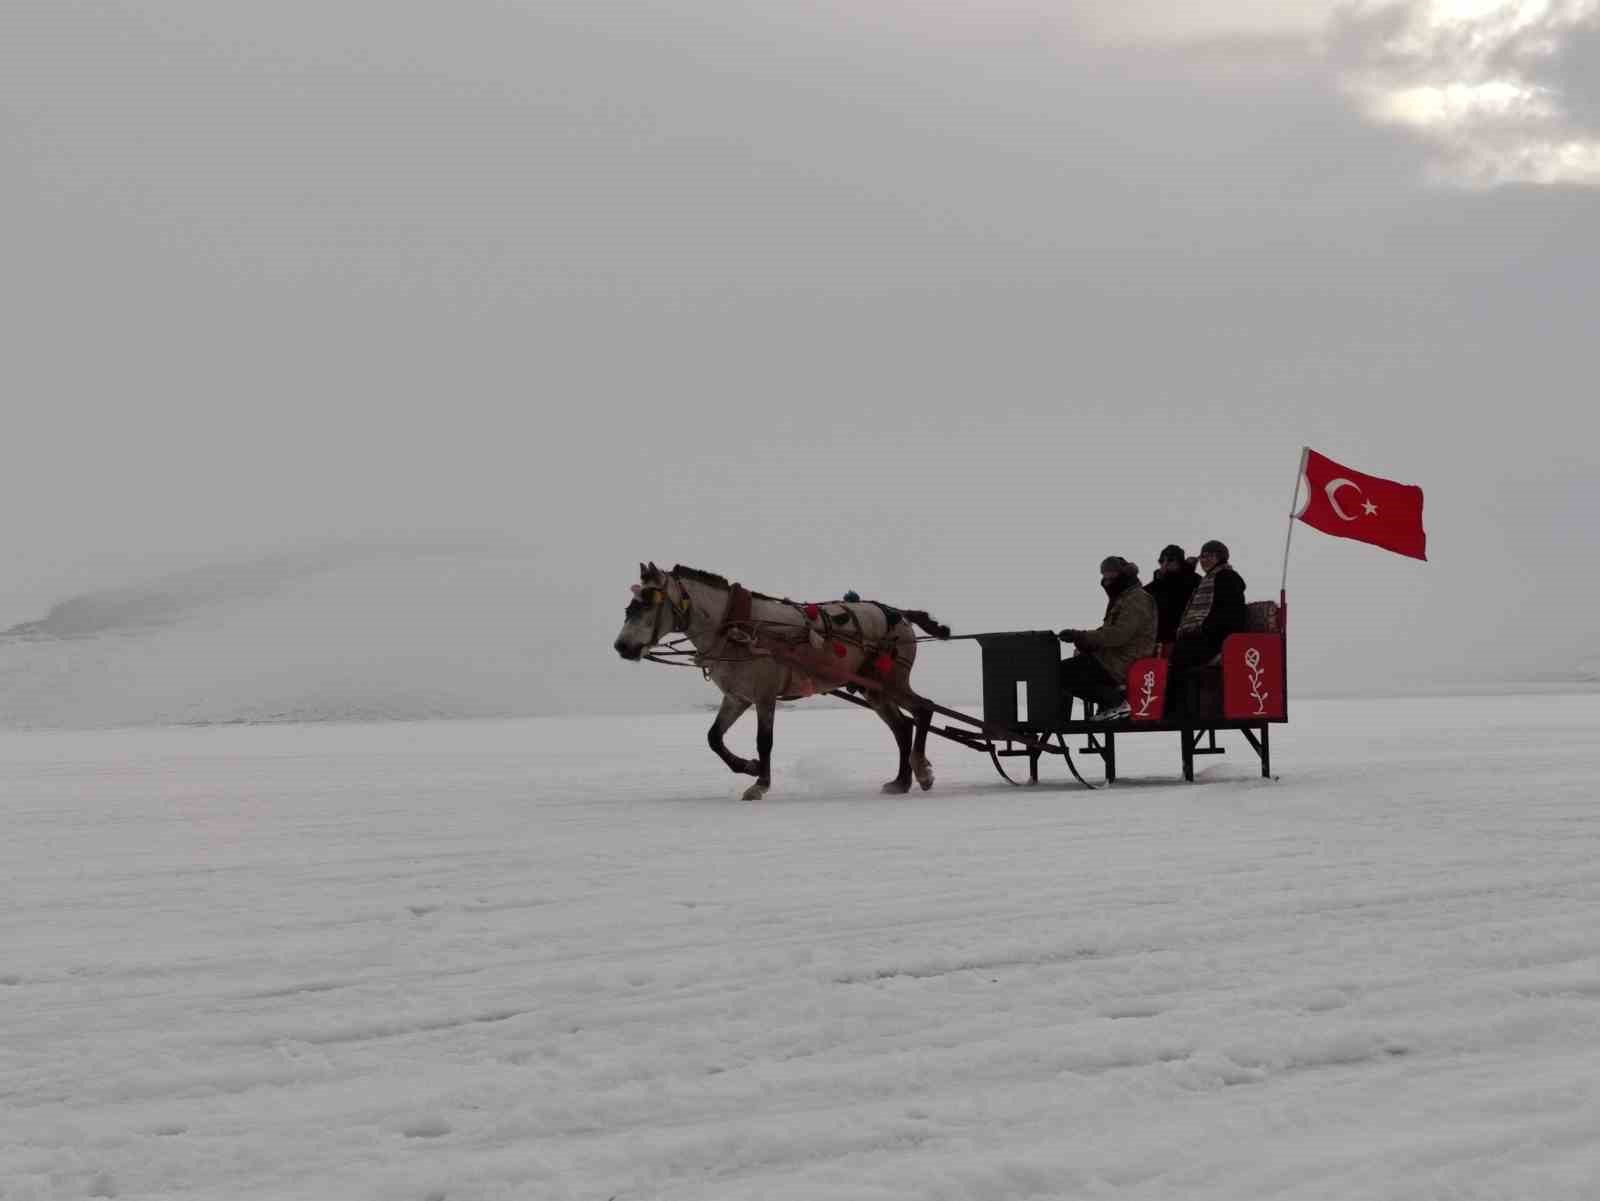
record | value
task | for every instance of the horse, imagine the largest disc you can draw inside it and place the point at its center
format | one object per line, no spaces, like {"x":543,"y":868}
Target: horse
{"x":760,"y":649}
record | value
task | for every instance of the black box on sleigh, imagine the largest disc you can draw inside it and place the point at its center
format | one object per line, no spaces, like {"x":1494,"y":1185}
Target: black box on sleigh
{"x":1022,"y":679}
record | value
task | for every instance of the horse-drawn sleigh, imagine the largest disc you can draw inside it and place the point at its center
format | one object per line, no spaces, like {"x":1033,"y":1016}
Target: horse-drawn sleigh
{"x":760,"y":649}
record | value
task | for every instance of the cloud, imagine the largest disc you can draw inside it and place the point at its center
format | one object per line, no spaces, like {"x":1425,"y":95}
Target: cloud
{"x":1572,"y":71}
{"x":1502,"y":89}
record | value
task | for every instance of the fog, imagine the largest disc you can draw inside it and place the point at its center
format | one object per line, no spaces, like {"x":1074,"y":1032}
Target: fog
{"x":360,"y":351}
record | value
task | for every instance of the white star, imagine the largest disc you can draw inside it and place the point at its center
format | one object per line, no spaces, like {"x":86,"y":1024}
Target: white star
{"x":1370,"y":508}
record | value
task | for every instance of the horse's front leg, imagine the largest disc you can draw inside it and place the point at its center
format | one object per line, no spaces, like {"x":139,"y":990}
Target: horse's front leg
{"x":732,"y":709}
{"x":766,"y":711}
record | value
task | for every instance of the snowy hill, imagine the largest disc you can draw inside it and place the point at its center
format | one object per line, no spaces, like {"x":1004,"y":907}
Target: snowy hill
{"x":361,"y":633}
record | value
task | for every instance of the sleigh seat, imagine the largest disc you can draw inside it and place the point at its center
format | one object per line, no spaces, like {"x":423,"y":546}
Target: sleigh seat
{"x":1240,"y":672}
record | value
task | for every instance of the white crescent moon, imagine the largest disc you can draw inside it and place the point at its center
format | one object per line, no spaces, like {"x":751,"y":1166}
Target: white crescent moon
{"x":1333,"y":487}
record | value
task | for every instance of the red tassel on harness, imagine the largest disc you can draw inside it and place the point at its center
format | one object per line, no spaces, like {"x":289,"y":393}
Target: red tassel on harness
{"x":838,"y":649}
{"x":884,"y":663}
{"x":812,"y":612}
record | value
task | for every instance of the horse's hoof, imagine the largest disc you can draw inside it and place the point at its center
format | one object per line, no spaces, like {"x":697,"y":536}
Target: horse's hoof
{"x":898,"y":786}
{"x":924,"y":772}
{"x":755,"y":792}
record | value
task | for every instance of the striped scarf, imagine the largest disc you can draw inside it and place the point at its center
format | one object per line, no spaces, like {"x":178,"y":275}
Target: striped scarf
{"x":1199,"y":606}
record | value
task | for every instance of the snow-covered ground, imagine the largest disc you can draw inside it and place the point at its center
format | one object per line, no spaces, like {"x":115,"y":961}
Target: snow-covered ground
{"x":557,"y":959}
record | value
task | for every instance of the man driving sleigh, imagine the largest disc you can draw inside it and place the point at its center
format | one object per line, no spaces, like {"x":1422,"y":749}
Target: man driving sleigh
{"x":1104,"y":654}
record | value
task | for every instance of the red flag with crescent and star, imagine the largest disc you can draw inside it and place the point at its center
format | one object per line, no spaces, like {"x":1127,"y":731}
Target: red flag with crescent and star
{"x":1348,"y":504}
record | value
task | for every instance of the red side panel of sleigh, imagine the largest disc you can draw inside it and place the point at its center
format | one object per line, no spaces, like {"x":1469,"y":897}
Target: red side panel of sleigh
{"x":1147,"y":689}
{"x":1252,"y":676}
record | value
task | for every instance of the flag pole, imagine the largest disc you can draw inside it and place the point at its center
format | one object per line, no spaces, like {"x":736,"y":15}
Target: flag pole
{"x":1283,"y":586}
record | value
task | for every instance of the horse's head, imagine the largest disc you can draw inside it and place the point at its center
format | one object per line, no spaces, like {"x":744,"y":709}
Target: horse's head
{"x":649,"y":616}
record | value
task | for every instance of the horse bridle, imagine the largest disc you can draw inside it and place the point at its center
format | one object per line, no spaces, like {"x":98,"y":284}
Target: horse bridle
{"x":680,"y":613}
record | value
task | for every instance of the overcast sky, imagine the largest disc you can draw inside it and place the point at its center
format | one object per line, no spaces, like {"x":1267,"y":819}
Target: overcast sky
{"x":940,"y":301}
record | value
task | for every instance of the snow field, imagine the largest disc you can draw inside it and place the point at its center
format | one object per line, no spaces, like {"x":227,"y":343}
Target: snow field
{"x":460,"y":961}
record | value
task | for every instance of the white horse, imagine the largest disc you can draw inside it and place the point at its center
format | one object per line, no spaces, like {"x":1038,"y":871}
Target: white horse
{"x":759,"y":649}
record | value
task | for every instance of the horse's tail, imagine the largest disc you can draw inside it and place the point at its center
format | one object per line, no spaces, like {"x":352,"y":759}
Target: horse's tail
{"x":926,"y":624}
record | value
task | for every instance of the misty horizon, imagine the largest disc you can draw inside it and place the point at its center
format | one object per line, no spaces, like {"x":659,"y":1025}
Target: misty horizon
{"x":372,"y":632}
{"x":941,"y":304}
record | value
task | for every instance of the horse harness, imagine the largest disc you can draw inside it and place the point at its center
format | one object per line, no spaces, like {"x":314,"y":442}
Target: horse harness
{"x":739,"y":626}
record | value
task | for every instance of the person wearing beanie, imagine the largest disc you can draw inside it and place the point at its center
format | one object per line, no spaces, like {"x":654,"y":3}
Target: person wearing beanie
{"x":1128,"y":632}
{"x":1172,"y":584}
{"x":1216,"y":610}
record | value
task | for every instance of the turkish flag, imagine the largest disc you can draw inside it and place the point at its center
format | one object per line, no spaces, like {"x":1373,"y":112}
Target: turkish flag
{"x":1347,"y":504}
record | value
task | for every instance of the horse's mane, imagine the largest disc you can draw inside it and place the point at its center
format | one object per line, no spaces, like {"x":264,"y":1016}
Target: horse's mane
{"x":705,"y":577}
{"x":718,"y":581}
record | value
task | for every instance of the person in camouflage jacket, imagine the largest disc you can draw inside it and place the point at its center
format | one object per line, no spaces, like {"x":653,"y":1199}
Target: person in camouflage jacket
{"x":1128,"y":633}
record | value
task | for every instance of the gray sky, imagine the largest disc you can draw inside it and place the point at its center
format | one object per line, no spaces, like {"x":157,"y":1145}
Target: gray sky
{"x":938,"y":301}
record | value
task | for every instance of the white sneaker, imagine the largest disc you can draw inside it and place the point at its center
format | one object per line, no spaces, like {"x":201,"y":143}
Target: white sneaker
{"x":1121,"y":711}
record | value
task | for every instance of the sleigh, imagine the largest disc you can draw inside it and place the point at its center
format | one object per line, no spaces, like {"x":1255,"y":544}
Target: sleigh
{"x":1026,"y":715}
{"x":763,"y":648}
{"x":1244,"y":689}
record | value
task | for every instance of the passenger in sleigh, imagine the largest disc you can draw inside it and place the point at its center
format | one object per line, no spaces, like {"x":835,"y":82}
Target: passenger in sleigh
{"x":1128,"y":632}
{"x":1172,"y":584}
{"x":1216,"y":610}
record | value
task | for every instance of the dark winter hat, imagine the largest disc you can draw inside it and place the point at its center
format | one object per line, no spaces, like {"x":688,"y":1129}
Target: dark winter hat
{"x":1117,"y":564}
{"x":1220,"y":549}
{"x":1172,"y":553}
